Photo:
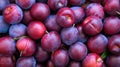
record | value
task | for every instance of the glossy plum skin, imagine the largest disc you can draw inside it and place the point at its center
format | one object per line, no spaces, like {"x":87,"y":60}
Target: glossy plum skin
{"x":3,"y":4}
{"x":96,"y":1}
{"x":12,"y":14}
{"x":92,"y":25}
{"x":97,"y":44}
{"x":65,"y":17}
{"x":26,"y":62}
{"x":27,"y":18}
{"x":51,"y":41}
{"x":25,"y":4}
{"x":26,"y":46}
{"x":40,"y":11}
{"x":41,"y":55}
{"x":82,"y":37}
{"x":111,"y":25}
{"x":57,"y":4}
{"x":36,"y":29}
{"x":75,"y":64}
{"x":6,"y":61}
{"x":95,"y":9}
{"x":78,"y":51}
{"x":76,"y":2}
{"x":60,"y":58}
{"x":69,"y":35}
{"x":3,"y":25}
{"x":113,"y":61}
{"x":9,"y":43}
{"x":51,"y":23}
{"x":111,"y":6}
{"x":79,"y":13}
{"x":17,"y":30}
{"x":92,"y":60}
{"x":114,"y":44}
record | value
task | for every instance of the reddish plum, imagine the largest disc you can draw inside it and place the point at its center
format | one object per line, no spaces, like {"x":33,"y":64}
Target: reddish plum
{"x":12,"y":14}
{"x":92,"y":60}
{"x":51,"y":41}
{"x":92,"y":25}
{"x":65,"y":17}
{"x":41,"y":55}
{"x":27,"y":18}
{"x":6,"y":61}
{"x":7,"y":46}
{"x":111,"y":25}
{"x":36,"y":29}
{"x":26,"y":46}
{"x":40,"y":11}
{"x":95,"y":9}
{"x":112,"y":6}
{"x":60,"y":58}
{"x":97,"y":44}
{"x":114,"y":44}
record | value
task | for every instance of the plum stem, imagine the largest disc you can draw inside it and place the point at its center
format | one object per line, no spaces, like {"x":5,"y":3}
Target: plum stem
{"x":104,"y":54}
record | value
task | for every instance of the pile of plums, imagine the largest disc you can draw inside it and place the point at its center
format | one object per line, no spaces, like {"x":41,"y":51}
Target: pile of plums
{"x":59,"y":33}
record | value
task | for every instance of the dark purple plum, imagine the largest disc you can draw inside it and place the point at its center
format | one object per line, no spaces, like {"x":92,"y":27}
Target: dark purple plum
{"x":17,"y":30}
{"x":7,"y":46}
{"x":113,"y":61}
{"x":12,"y":14}
{"x":78,"y":51}
{"x":69,"y":35}
{"x":65,"y":17}
{"x":40,"y":11}
{"x":95,"y":9}
{"x":36,"y":29}
{"x":25,"y":4}
{"x":7,"y":61}
{"x":97,"y":44}
{"x":114,"y":44}
{"x":3,"y":25}
{"x":26,"y":62}
{"x":3,"y":4}
{"x":92,"y":25}
{"x":51,"y":41}
{"x":41,"y":55}
{"x":27,"y":18}
{"x":57,"y":4}
{"x":92,"y":60}
{"x":26,"y":46}
{"x":112,"y":6}
{"x":82,"y":37}
{"x":60,"y":58}
{"x":75,"y":64}
{"x":76,"y":2}
{"x":79,"y":13}
{"x":51,"y":23}
{"x":111,"y":25}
